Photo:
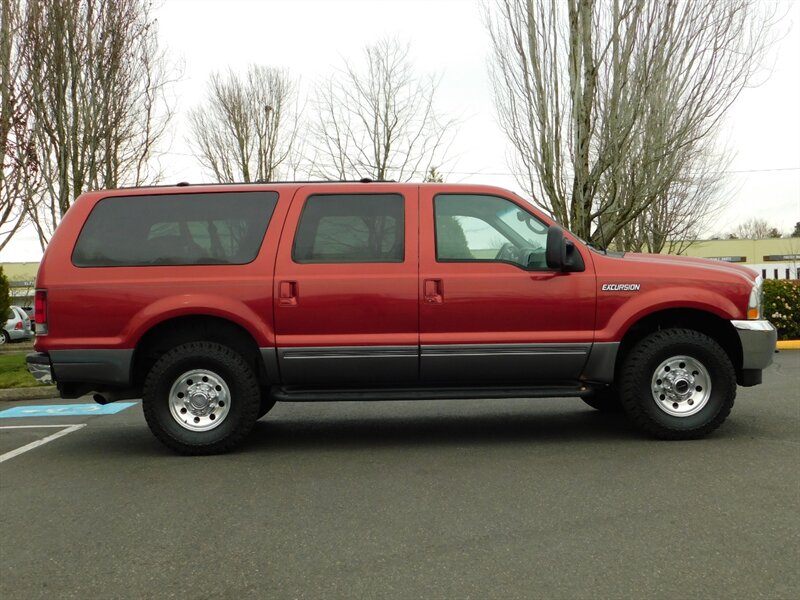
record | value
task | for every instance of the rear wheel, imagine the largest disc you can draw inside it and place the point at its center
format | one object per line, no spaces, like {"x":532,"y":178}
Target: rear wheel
{"x":4,"y":337}
{"x":677,"y":384}
{"x":201,"y":398}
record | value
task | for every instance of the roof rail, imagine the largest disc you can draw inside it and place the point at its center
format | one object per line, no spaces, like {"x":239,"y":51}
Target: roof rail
{"x":258,"y":182}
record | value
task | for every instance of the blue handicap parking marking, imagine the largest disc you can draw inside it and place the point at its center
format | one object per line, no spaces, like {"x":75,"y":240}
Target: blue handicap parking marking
{"x":65,"y":410}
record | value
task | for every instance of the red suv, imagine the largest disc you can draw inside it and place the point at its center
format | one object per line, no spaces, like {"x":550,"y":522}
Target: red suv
{"x":212,"y":302}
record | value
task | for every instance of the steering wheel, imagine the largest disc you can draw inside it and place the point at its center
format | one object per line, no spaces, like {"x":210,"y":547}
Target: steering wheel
{"x":509,"y":252}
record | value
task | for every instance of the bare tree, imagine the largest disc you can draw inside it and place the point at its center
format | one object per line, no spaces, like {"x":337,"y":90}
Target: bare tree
{"x":94,"y":80}
{"x":379,"y":122}
{"x":20,"y":176}
{"x":674,"y":220}
{"x":611,"y":105}
{"x":247,"y":129}
{"x":754,"y":229}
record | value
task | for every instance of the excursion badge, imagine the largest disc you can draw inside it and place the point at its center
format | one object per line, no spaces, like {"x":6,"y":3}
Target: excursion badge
{"x":621,"y":287}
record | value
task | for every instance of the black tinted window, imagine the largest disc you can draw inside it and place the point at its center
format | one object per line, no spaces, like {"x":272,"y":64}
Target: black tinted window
{"x":363,"y":228}
{"x":175,"y":229}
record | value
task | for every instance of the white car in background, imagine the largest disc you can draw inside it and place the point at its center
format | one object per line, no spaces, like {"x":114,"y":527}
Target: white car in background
{"x":17,"y":327}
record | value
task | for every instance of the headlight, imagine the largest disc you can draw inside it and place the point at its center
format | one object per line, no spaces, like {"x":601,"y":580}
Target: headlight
{"x":756,"y":296}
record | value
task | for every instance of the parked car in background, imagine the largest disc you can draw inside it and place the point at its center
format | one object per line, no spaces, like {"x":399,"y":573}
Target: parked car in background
{"x":31,"y":315}
{"x":17,"y":327}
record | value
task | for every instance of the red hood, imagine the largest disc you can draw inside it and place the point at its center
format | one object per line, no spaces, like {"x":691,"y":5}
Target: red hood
{"x":716,"y":266}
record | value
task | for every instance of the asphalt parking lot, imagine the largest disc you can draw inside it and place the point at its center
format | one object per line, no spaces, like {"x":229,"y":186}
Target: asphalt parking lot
{"x":486,"y":499}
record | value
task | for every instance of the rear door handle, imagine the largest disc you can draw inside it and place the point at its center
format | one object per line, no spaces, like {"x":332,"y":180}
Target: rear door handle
{"x":433,"y":291}
{"x":287,"y":293}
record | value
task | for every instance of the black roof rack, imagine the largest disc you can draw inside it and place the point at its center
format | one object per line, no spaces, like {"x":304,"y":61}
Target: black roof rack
{"x":259,"y":182}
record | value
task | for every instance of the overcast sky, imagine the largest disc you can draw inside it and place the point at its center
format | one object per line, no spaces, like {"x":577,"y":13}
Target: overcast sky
{"x":447,"y":37}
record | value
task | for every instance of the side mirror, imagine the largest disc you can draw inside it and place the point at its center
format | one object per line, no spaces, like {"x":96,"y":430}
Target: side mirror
{"x":561,"y":253}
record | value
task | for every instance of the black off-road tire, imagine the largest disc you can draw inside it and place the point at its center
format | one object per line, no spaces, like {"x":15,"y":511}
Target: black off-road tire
{"x":640,"y":373}
{"x":606,"y":400}
{"x":234,"y":372}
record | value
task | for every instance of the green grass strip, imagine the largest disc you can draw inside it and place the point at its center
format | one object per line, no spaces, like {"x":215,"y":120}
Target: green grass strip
{"x":14,"y":373}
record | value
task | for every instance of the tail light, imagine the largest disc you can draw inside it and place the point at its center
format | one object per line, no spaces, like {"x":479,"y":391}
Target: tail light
{"x":40,"y":305}
{"x":18,"y":325}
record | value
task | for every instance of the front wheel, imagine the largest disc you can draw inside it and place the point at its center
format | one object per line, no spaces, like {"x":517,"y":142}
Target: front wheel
{"x":201,"y":398}
{"x":677,"y":384}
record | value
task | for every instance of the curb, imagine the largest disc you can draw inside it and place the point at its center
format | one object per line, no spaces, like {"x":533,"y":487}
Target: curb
{"x":789,"y":345}
{"x":29,"y":393}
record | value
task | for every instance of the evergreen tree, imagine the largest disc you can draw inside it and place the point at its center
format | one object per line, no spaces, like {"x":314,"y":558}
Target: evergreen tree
{"x":5,"y":297}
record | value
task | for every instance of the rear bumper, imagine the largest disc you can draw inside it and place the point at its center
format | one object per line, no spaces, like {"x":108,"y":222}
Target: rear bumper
{"x":758,"y":340}
{"x":92,"y":367}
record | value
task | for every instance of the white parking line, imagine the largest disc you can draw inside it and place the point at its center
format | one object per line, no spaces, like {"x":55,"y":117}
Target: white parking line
{"x":41,"y":442}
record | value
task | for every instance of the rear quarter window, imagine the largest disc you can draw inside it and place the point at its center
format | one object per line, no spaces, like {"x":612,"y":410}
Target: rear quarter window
{"x":175,"y":229}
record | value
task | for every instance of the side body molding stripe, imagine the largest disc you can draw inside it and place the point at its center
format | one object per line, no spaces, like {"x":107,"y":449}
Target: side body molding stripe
{"x":505,"y":349}
{"x":347,"y":352}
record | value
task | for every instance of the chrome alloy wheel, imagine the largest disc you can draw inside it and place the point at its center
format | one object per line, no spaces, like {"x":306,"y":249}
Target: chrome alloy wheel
{"x":199,"y":400}
{"x":681,"y":386}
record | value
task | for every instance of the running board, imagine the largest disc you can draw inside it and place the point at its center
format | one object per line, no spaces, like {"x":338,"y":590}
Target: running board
{"x":349,"y":395}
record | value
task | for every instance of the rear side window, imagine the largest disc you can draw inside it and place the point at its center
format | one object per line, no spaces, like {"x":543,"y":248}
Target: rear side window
{"x":340,"y":228}
{"x":175,"y":229}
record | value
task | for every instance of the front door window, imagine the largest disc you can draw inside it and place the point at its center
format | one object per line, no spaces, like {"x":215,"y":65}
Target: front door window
{"x":473,"y":228}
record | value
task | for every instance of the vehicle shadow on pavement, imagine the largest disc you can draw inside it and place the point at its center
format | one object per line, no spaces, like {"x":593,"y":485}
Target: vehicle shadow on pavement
{"x":287,"y":431}
{"x":439,"y":430}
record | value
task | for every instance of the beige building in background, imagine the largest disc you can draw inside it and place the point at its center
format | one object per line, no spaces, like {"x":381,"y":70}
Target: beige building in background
{"x":21,"y":280}
{"x":773,"y":258}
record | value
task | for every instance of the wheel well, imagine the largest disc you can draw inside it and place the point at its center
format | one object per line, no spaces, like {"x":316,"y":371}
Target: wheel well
{"x":174,"y":332}
{"x":708,"y":323}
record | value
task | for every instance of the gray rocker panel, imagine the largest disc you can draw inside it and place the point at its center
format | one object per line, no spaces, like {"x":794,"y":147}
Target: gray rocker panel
{"x":483,"y":363}
{"x":360,"y":365}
